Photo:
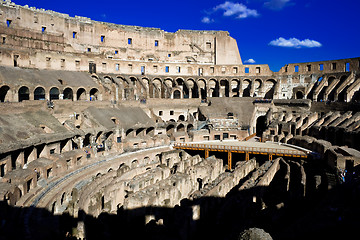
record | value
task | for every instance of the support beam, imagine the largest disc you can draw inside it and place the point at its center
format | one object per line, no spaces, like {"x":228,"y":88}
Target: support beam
{"x":229,"y":160}
{"x":270,"y":157}
{"x":247,"y":157}
{"x":206,"y":154}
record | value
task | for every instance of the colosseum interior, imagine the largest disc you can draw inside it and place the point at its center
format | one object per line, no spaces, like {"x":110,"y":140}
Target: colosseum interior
{"x":111,"y":131}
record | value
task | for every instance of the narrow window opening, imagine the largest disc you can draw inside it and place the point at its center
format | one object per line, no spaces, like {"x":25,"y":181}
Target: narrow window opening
{"x":167,"y":69}
{"x":169,"y":55}
{"x":347,"y":67}
{"x":296,"y":68}
{"x":258,"y":70}
{"x":102,"y":38}
{"x":16,"y":57}
{"x":118,"y":139}
{"x":178,"y":69}
{"x":117,"y":67}
{"x":2,"y":170}
{"x":74,"y":34}
{"x":77,"y":64}
{"x":208,"y":45}
{"x":62,"y":63}
{"x":43,"y":29}
{"x":171,"y":112}
{"x":130,"y":67}
{"x":200,"y":71}
{"x":129,"y":41}
{"x":160,"y":113}
{"x":155,"y":68}
{"x":89,"y":49}
{"x":247,"y":70}
{"x":235,"y":70}
{"x":333,"y":66}
{"x":4,"y":40}
{"x":52,"y":151}
{"x":8,"y":22}
{"x":156,"y":43}
{"x":308,"y":68}
{"x":142,"y":70}
{"x":104,"y":66}
{"x":212,"y":70}
{"x":223,"y":69}
{"x":116,"y":51}
{"x":321,"y":67}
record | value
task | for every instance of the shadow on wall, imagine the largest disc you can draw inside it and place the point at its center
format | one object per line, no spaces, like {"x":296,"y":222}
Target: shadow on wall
{"x":333,"y":215}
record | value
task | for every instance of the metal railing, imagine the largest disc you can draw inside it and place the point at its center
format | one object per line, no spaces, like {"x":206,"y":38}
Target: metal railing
{"x":240,"y":149}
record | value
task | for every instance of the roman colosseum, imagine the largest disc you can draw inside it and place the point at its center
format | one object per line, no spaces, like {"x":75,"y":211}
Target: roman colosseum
{"x":112,"y":131}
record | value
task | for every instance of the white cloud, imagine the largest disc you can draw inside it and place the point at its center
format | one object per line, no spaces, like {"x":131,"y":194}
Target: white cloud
{"x":295,"y":43}
{"x":276,"y":4}
{"x":207,"y":20}
{"x":250,"y":61}
{"x":237,"y":9}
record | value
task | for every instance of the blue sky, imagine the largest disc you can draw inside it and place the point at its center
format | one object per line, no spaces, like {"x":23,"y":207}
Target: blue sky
{"x":274,"y":32}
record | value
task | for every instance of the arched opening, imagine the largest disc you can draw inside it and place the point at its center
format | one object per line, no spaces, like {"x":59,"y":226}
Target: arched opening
{"x":181,"y":118}
{"x":177,"y":94}
{"x":24,"y":94}
{"x":150,"y":131}
{"x":270,"y":85}
{"x":246,"y":88}
{"x":134,"y":163}
{"x":68,"y":93}
{"x":180,"y":128}
{"x":190,"y":127}
{"x":94,"y":94}
{"x":214,"y":88}
{"x":3,"y":93}
{"x":81,"y":94}
{"x":86,"y":141}
{"x":54,"y":93}
{"x":224,"y":85}
{"x":39,"y":93}
{"x":129,"y":131}
{"x":235,"y":88}
{"x":299,"y":95}
{"x":260,"y":125}
{"x":170,"y":129}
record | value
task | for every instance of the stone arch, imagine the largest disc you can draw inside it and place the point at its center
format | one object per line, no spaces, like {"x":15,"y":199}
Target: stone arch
{"x":81,"y":94}
{"x":213,"y":88}
{"x":246,"y":88}
{"x":181,"y":118}
{"x":39,"y":93}
{"x":127,"y":133}
{"x":189,"y":127}
{"x":202,"y":87}
{"x":157,"y":88}
{"x":180,"y":83}
{"x":68,"y":94}
{"x":150,"y":131}
{"x":54,"y":93}
{"x":224,"y":88}
{"x":4,"y":96}
{"x":94,"y":94}
{"x":299,"y":95}
{"x":260,"y":125}
{"x":180,"y":128}
{"x":170,"y":129}
{"x":235,"y":87}
{"x":193,"y":88}
{"x":257,"y":87}
{"x":270,"y":88}
{"x":341,"y":96}
{"x":176,"y":94}
{"x":134,"y":163}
